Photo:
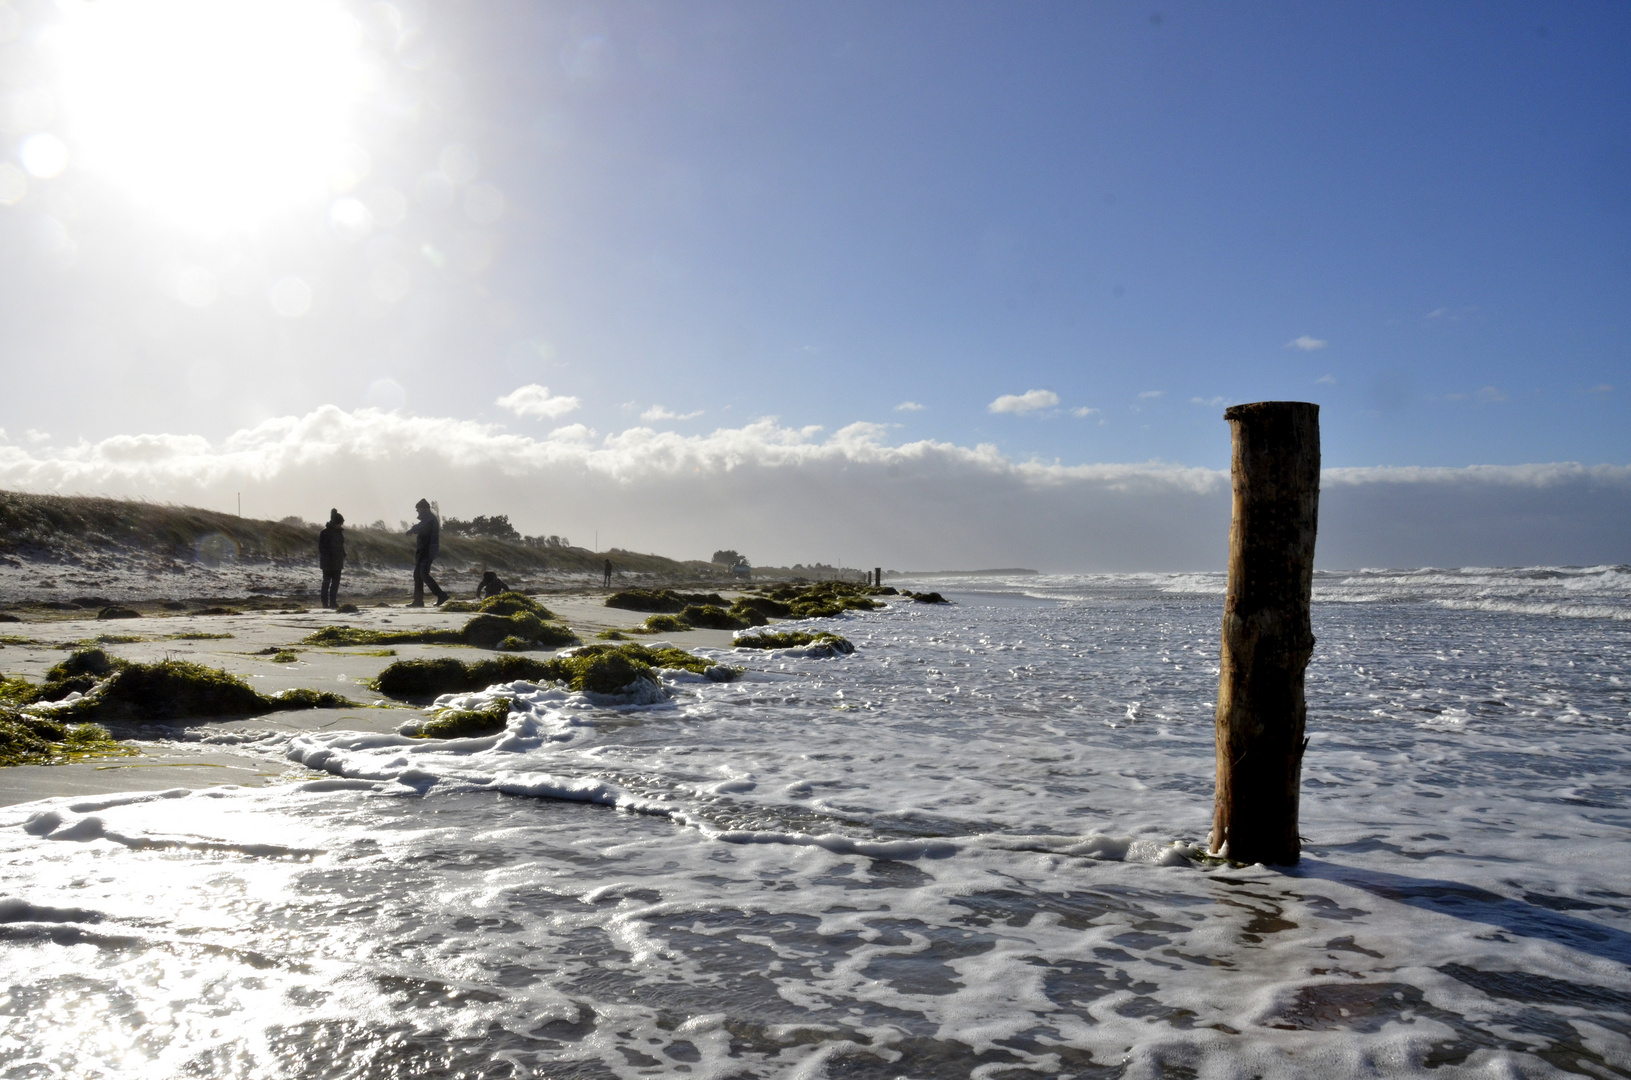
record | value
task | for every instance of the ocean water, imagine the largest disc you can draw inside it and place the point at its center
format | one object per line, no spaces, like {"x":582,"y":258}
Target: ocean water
{"x":967,"y":850}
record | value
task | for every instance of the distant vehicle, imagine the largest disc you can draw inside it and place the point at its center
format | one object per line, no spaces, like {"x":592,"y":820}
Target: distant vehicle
{"x":742,"y":570}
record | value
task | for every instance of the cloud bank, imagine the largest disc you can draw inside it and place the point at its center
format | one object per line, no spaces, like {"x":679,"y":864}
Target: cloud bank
{"x":783,"y":495}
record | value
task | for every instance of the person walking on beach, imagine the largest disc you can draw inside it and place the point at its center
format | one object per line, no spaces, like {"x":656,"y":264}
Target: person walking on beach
{"x":331,"y":557}
{"x":429,"y":532}
{"x":607,"y":582}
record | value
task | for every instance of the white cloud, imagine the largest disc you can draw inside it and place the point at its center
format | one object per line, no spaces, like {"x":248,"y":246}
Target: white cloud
{"x":1601,"y":390}
{"x":34,"y":435}
{"x":1029,"y":401}
{"x":910,"y":406}
{"x":1083,"y":412}
{"x":535,"y":400}
{"x":657,"y":412}
{"x":1326,"y":380}
{"x":1306,"y":343}
{"x":1151,"y":395}
{"x":853,"y":494}
{"x":1491,"y":395}
{"x":1212,"y":401}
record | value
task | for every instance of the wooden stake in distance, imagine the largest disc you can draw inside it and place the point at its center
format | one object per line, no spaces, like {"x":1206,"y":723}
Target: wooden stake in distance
{"x":1267,"y":635}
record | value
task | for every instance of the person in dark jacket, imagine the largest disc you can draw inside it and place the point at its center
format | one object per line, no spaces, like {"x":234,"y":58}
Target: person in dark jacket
{"x":606,"y":578}
{"x":331,"y":557}
{"x":491,"y":585}
{"x":429,"y":532}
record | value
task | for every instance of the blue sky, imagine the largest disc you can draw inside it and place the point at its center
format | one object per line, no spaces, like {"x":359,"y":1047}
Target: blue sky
{"x":692,"y":217}
{"x":818,"y":212}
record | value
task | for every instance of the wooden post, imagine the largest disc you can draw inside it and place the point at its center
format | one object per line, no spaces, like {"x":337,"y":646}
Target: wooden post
{"x":877,"y":576}
{"x":1267,"y":636}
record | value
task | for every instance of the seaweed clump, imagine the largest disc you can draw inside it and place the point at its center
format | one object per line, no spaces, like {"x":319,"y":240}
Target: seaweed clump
{"x":465,"y":723}
{"x":661,"y":600}
{"x":485,"y":631}
{"x":796,"y":639}
{"x":824,"y":599}
{"x":116,"y":611}
{"x":113,"y":689}
{"x":26,"y":739}
{"x":601,"y":669}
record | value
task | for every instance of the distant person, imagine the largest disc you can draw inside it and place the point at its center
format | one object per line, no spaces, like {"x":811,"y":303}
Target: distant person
{"x":331,"y":557}
{"x":491,"y":585}
{"x":429,"y":532}
{"x":607,"y":581}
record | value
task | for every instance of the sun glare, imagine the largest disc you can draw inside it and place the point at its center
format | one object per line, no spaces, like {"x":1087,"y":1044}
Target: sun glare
{"x":217,"y":113}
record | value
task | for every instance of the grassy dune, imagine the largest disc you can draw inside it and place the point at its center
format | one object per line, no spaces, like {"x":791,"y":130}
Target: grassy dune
{"x":49,"y":526}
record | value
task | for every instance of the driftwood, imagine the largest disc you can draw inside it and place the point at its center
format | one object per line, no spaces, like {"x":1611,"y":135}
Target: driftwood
{"x":1267,"y":636}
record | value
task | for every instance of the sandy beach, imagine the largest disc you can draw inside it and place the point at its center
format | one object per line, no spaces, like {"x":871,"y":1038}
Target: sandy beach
{"x":213,"y":753}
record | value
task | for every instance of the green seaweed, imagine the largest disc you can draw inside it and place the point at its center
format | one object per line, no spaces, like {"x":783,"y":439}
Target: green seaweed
{"x":713,"y":617}
{"x":824,"y":599}
{"x":661,"y":600}
{"x":484,"y":631}
{"x":168,"y":690}
{"x":665,"y":624}
{"x":196,"y":635}
{"x":117,"y":611}
{"x":18,"y":692}
{"x":794,"y":639}
{"x":118,"y":639}
{"x":465,"y":723}
{"x":614,"y":635}
{"x":303,"y":698}
{"x":285,"y":656}
{"x":35,"y":740}
{"x":603,"y":669}
{"x":509,"y":603}
{"x":436,"y":675}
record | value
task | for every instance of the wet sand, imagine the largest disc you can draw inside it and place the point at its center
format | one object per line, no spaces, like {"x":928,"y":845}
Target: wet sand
{"x":210,"y":753}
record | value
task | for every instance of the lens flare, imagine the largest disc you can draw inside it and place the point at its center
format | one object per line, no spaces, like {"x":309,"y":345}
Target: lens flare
{"x":218,"y":113}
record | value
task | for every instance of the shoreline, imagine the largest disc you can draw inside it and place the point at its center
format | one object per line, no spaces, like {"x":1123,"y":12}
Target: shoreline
{"x":214,"y":753}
